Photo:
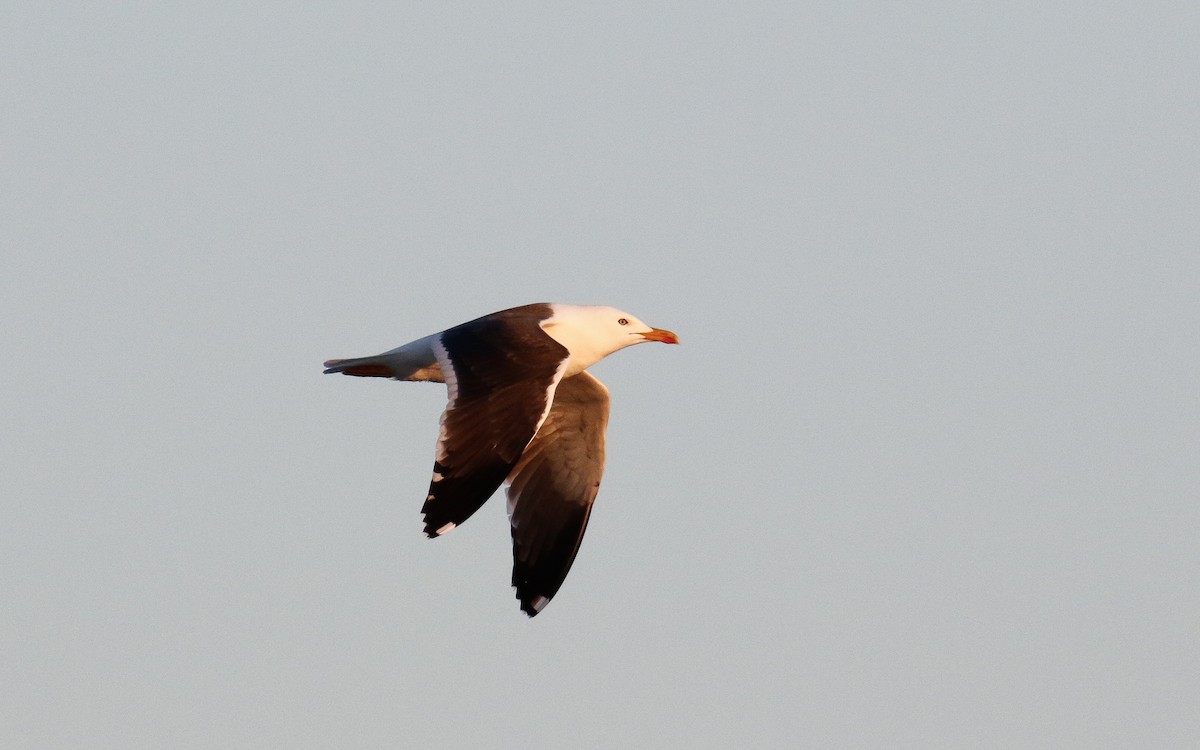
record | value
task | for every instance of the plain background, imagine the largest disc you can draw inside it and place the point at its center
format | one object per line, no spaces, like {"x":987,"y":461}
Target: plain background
{"x":924,"y":472}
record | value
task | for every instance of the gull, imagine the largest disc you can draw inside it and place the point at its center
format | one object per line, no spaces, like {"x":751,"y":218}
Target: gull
{"x":522,"y":411}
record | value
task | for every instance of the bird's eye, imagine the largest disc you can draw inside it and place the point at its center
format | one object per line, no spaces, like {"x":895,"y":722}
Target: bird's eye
{"x":623,"y":321}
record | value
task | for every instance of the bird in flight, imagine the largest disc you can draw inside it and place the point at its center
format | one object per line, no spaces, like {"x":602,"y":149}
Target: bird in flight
{"x":523,"y":411}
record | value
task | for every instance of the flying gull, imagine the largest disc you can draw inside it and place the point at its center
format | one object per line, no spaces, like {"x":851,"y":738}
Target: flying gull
{"x":522,"y":411}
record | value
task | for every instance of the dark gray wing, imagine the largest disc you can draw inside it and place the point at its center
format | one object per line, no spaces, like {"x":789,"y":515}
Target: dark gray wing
{"x":501,"y":372}
{"x":552,"y":488}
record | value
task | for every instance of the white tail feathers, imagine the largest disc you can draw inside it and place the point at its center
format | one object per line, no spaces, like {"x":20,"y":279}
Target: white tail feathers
{"x":413,"y":361}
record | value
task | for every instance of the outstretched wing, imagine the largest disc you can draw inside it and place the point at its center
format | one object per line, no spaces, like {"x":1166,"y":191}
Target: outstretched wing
{"x":552,"y":488}
{"x":501,"y":372}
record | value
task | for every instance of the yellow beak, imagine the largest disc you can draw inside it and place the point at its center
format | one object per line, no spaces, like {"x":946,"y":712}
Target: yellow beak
{"x":658,"y":334}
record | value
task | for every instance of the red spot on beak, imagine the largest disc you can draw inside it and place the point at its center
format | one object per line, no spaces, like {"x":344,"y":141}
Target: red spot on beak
{"x":658,"y":334}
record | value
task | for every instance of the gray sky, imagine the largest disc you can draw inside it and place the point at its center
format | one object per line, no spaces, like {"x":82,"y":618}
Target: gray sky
{"x":924,"y":473}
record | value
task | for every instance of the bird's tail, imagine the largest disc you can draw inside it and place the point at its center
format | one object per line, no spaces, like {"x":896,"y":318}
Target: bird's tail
{"x":363,"y":367}
{"x":413,"y":361}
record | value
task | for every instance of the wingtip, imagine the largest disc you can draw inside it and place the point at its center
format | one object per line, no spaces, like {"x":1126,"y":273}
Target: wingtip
{"x":532,"y":605}
{"x":433,"y":532}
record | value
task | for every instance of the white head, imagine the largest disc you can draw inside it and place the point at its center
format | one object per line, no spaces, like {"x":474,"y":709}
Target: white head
{"x":591,"y":333}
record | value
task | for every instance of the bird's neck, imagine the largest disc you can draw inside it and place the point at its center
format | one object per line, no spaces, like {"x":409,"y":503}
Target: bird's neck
{"x":584,"y":351}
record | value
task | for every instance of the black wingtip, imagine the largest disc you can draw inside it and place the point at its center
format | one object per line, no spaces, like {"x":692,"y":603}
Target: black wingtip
{"x":433,"y":532}
{"x":532,"y":604}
